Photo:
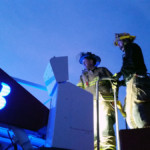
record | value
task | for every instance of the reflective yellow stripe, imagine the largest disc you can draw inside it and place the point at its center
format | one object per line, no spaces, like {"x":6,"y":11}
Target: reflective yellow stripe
{"x":94,"y":81}
{"x":79,"y":84}
{"x":91,"y":84}
{"x":126,"y":37}
{"x":108,"y":97}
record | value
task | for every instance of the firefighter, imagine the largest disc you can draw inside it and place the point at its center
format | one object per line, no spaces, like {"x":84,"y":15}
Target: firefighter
{"x":137,"y":101}
{"x":88,"y":79}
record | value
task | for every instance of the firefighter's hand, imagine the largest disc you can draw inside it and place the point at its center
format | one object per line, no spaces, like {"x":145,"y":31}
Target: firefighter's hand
{"x":114,"y":84}
{"x":121,"y":83}
{"x":116,"y":76}
{"x":121,"y":109}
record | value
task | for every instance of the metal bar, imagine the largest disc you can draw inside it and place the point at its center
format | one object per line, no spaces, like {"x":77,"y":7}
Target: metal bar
{"x":28,"y":83}
{"x":117,"y":123}
{"x":97,"y":106}
{"x":116,"y":113}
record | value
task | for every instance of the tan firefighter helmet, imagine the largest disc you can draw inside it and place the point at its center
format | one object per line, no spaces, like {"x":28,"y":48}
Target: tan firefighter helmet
{"x":123,"y":36}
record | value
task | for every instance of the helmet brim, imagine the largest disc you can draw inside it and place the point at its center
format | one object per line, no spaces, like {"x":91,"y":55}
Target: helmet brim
{"x":132,"y":38}
{"x":97,"y":59}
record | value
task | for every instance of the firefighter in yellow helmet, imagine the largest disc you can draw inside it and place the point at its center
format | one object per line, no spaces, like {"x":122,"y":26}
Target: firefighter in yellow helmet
{"x":88,"y":81}
{"x":137,"y":102}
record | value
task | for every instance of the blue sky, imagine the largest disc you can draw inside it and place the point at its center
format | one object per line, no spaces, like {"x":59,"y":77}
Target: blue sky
{"x":33,"y":31}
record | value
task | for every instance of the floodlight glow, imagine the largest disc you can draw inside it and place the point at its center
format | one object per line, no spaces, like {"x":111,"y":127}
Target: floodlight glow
{"x":4,"y":92}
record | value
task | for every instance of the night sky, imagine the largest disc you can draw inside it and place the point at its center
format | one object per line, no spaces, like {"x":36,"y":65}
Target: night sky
{"x":33,"y":31}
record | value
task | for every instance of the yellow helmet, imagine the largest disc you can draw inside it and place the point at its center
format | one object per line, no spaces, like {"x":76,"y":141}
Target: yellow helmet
{"x":122,"y":36}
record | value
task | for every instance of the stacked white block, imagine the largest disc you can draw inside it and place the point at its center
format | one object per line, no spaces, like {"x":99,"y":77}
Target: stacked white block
{"x":70,"y":123}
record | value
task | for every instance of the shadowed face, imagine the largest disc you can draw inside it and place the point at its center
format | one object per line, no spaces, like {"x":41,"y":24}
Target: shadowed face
{"x":121,"y":45}
{"x":88,"y":63}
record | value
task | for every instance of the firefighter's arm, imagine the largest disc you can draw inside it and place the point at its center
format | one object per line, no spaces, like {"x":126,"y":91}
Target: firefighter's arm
{"x":116,"y":83}
{"x":80,"y":83}
{"x":115,"y":86}
{"x":107,"y":72}
{"x":121,"y":108}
